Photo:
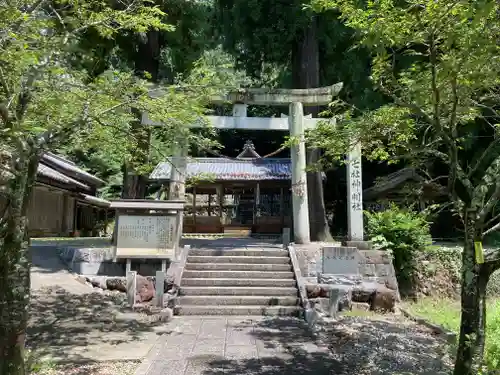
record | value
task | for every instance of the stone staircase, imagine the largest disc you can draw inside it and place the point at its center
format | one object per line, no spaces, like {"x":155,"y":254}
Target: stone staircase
{"x":242,"y":281}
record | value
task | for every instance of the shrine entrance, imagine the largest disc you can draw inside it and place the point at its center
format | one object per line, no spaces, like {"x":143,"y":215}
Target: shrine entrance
{"x":247,"y":194}
{"x":296,"y":123}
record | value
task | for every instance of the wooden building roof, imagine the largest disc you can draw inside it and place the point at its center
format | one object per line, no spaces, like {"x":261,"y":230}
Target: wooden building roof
{"x":396,"y":180}
{"x":248,"y":165}
{"x":59,"y":172}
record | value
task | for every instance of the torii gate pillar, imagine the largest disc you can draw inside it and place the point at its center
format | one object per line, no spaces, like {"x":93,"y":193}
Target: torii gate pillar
{"x":296,"y":124}
{"x":300,"y":206}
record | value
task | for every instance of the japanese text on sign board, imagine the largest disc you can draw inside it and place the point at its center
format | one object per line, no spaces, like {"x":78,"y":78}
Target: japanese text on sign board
{"x":145,"y":233}
{"x":340,"y":260}
{"x":339,"y":254}
{"x":356,"y":185}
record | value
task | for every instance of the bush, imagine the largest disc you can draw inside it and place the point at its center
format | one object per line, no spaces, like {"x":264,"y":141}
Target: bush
{"x":405,"y":233}
{"x":492,"y":352}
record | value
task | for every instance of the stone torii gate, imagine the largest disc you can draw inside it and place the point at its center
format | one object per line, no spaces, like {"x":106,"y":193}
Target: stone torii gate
{"x":296,"y":123}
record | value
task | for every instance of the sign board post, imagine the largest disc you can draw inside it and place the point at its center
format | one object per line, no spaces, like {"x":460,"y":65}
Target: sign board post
{"x":147,"y":229}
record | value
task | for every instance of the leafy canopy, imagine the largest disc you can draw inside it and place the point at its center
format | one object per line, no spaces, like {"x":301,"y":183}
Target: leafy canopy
{"x":438,"y":63}
{"x":48,"y":99}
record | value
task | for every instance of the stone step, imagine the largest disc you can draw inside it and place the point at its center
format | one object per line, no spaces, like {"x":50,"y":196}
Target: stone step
{"x":238,"y":259}
{"x":237,"y":291}
{"x":189,"y":274}
{"x":238,"y":310}
{"x":239,"y":282}
{"x":239,"y":300}
{"x":238,"y":267}
{"x":239,"y":252}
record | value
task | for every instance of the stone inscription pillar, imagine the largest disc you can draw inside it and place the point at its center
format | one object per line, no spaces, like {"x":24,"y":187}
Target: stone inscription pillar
{"x":354,"y":195}
{"x":177,"y":188}
{"x":299,"y":177}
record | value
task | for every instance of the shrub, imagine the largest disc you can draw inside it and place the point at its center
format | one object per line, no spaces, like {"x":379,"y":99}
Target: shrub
{"x":405,"y":233}
{"x":492,"y":352}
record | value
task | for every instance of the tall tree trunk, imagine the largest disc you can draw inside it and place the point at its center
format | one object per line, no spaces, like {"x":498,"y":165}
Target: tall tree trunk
{"x":147,"y":65}
{"x":473,"y":304}
{"x":15,"y":262}
{"x":305,"y":70}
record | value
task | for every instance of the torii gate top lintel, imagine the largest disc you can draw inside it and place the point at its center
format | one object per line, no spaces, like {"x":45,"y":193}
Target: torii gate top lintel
{"x":279,"y":97}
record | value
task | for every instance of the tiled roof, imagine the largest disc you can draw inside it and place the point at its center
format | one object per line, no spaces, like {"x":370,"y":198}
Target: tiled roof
{"x":67,"y":167}
{"x":230,"y":169}
{"x":48,"y":172}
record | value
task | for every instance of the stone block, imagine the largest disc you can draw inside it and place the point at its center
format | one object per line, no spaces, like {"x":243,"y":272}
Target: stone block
{"x":316,"y":291}
{"x":145,"y":289}
{"x":98,"y":268}
{"x":384,"y":300}
{"x":374,"y":257}
{"x":360,"y":306}
{"x":339,"y":300}
{"x":117,"y":283}
{"x":309,"y":258}
{"x":340,"y":279}
{"x":391,"y":283}
{"x":367,"y":270}
{"x":363,"y":292}
{"x":384,"y":270}
{"x":98,"y":282}
{"x":340,"y":260}
{"x":361,"y":245}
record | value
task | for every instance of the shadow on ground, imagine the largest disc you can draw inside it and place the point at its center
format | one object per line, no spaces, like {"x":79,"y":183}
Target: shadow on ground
{"x":88,"y":327}
{"x":353,"y":346}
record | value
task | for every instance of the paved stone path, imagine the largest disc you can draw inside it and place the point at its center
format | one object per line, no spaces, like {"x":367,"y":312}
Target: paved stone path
{"x":236,"y":346}
{"x":71,"y":322}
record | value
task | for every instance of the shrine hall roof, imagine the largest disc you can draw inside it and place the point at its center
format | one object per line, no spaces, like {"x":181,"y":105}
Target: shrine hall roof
{"x":225,"y":169}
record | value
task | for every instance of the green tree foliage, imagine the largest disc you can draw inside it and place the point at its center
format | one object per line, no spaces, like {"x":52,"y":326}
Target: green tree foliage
{"x":48,"y":98}
{"x":171,"y":54}
{"x":405,"y":233}
{"x":438,"y":64}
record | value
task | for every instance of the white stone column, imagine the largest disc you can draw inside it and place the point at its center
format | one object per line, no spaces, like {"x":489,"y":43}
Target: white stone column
{"x":299,"y":177}
{"x":177,"y":188}
{"x":354,"y":195}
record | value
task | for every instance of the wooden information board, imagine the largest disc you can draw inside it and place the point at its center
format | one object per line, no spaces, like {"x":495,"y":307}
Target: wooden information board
{"x":146,"y":236}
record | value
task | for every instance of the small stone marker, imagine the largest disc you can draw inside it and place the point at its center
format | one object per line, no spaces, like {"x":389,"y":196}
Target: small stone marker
{"x":337,"y":294}
{"x":286,"y":237}
{"x":131,"y":287}
{"x":340,"y":260}
{"x":159,"y":287}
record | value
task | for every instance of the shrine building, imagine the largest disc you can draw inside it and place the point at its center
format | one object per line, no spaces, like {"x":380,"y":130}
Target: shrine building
{"x":242,"y":195}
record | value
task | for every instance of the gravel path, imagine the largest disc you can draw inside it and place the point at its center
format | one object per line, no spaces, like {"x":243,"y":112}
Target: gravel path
{"x":383,"y":345}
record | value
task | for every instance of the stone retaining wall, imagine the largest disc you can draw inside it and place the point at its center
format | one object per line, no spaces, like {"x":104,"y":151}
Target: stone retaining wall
{"x":98,"y":261}
{"x":375,"y":272}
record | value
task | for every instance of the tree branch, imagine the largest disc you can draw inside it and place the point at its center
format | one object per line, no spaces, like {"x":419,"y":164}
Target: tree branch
{"x":4,"y":83}
{"x":492,"y":229}
{"x":491,"y":261}
{"x":485,"y":153}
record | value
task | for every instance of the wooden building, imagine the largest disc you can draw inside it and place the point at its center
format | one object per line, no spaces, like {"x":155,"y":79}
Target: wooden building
{"x":64,"y":201}
{"x":405,"y":187}
{"x":246,"y":194}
